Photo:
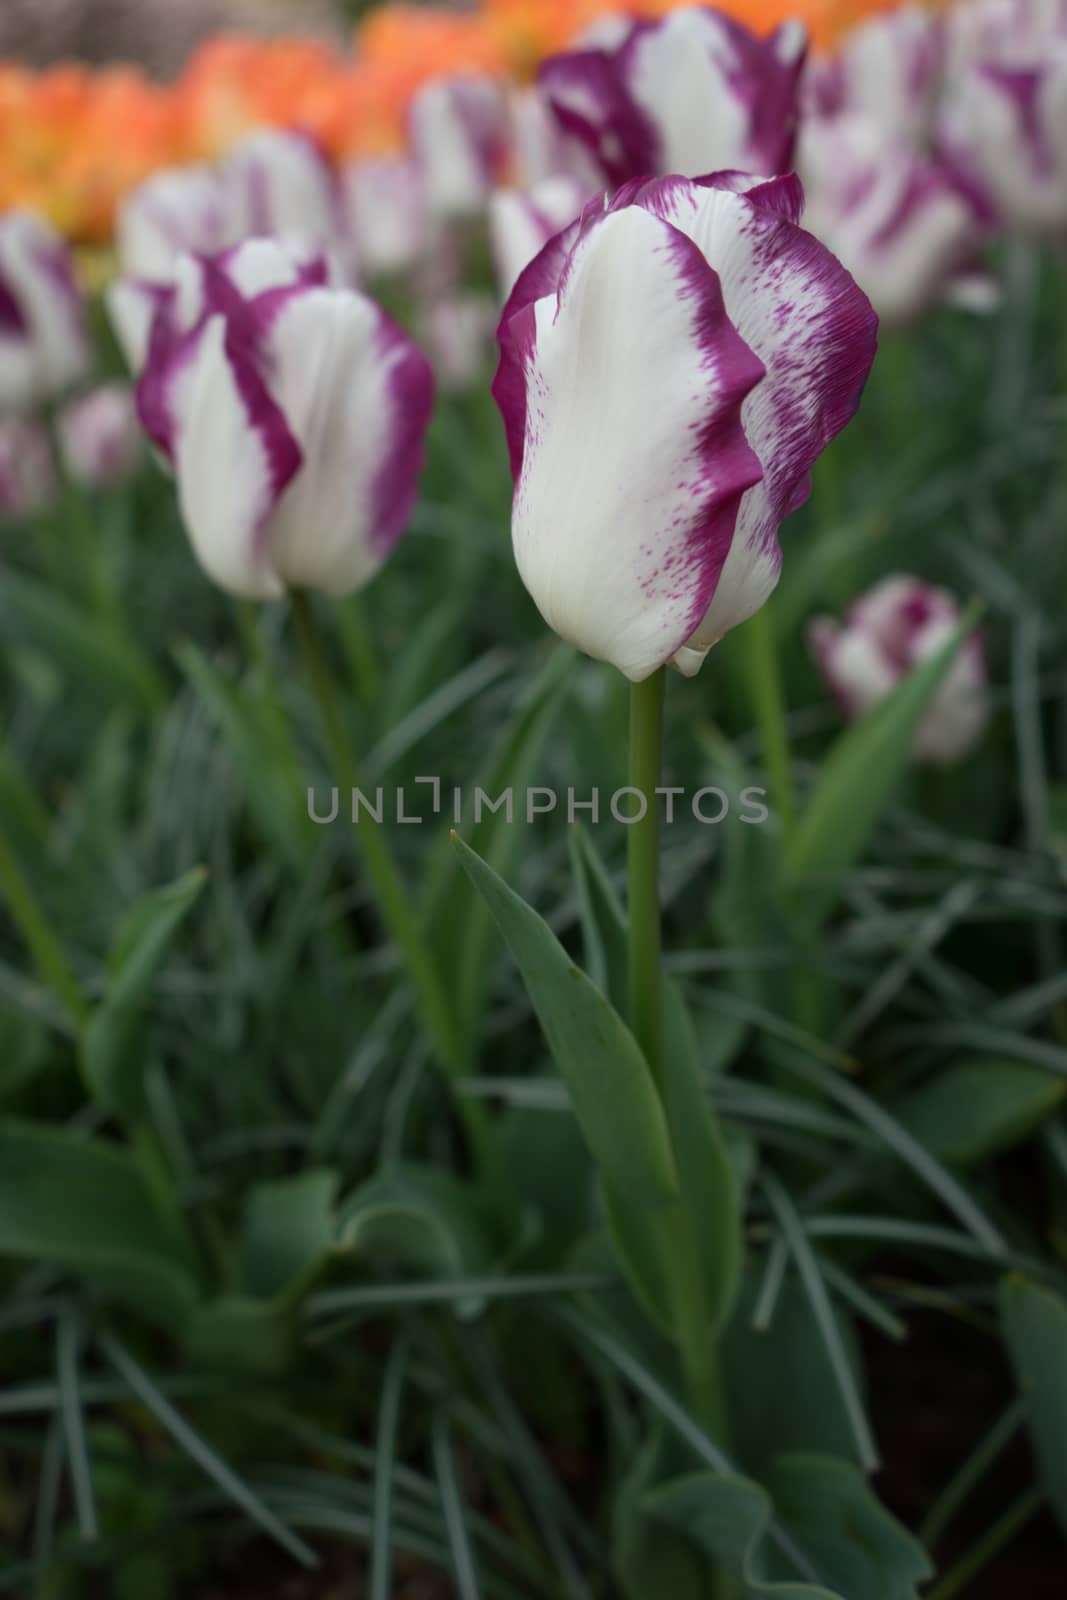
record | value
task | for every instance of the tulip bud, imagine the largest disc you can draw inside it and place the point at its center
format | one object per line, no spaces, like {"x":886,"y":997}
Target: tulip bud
{"x":671,"y":367}
{"x":294,"y":416}
{"x":458,"y":134}
{"x":27,"y":471}
{"x":99,"y":436}
{"x":388,"y":213}
{"x":44,"y":345}
{"x":887,"y":68}
{"x":520,"y":225}
{"x":888,"y":631}
{"x":689,"y":93}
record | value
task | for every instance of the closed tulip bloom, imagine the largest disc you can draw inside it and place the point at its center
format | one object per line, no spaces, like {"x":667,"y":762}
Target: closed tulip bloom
{"x":521,"y":223}
{"x":100,"y":437}
{"x":181,"y":211}
{"x":44,"y":345}
{"x":687,"y":94}
{"x":671,"y":367}
{"x":896,"y":625}
{"x":458,"y":130}
{"x":279,"y":185}
{"x":388,"y":213}
{"x":897,"y":219}
{"x":888,"y":68}
{"x":294,"y":414}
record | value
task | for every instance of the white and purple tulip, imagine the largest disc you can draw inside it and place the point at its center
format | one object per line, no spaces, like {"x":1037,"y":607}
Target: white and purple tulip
{"x":521,"y":223}
{"x":687,"y":94}
{"x":294,"y":415}
{"x":896,"y":625}
{"x":902,"y":223}
{"x":458,"y":128}
{"x":279,"y":185}
{"x":1003,"y":120}
{"x":388,"y":213}
{"x":671,"y":366}
{"x":180,"y":211}
{"x":44,"y":342}
{"x":99,"y":436}
{"x":888,"y":69}
{"x":28,"y":481}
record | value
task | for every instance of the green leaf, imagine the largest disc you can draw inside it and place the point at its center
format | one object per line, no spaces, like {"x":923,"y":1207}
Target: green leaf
{"x":87,"y":649}
{"x":974,"y":1109}
{"x":858,"y":779}
{"x":602,"y":917}
{"x":111,"y":1042}
{"x":614,"y":1101}
{"x":709,"y":1186}
{"x":84,"y":1205}
{"x":416,"y":1217}
{"x":289,"y":1229}
{"x":651,"y":1557}
{"x":278,"y":806}
{"x":851,"y":1539}
{"x":1035,"y":1326}
{"x":728,"y":1518}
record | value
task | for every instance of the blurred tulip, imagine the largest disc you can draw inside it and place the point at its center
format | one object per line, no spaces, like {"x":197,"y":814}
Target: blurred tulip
{"x":894,"y":626}
{"x":27,"y":471}
{"x":279,"y":185}
{"x":457,"y":330}
{"x":388,"y":213}
{"x":898,"y":220}
{"x":888,"y":69}
{"x":671,"y":367}
{"x":687,"y":94}
{"x":99,"y":436}
{"x":1003,"y":123}
{"x":521,"y":224}
{"x":44,"y":344}
{"x":294,"y":416}
{"x":458,"y":129}
{"x":180,"y":211}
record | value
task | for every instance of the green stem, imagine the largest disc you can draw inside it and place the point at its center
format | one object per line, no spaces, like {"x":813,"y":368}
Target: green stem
{"x":359,"y":649}
{"x":40,"y":939}
{"x":646,"y":753}
{"x":764,"y":678}
{"x":259,"y":659}
{"x":998,"y":1537}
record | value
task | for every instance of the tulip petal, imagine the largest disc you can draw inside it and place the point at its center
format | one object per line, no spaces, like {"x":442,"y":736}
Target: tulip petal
{"x":813,"y":329}
{"x":591,"y":105}
{"x":633,"y":461}
{"x":358,"y":394}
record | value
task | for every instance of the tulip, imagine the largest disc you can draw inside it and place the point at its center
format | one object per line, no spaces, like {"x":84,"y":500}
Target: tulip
{"x":687,"y":94}
{"x":1004,"y":119}
{"x":889,"y":69}
{"x":457,"y":332}
{"x":458,"y":136}
{"x":896,"y":625}
{"x":293,"y":414}
{"x":44,"y":345}
{"x":27,"y":471}
{"x":388,"y":213}
{"x":279,"y":185}
{"x":179,"y":211}
{"x":521,"y":224}
{"x":99,"y":436}
{"x":671,"y":367}
{"x":897,"y":219}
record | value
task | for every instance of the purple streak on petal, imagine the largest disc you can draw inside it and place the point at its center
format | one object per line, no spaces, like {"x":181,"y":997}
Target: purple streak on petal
{"x":726,"y":463}
{"x":1023,"y":90}
{"x":54,"y":263}
{"x":13,"y":323}
{"x":170,"y":351}
{"x":587,"y":96}
{"x":411,"y":393}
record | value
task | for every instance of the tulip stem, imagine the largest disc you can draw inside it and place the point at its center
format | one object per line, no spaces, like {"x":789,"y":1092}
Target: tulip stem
{"x":359,"y":649}
{"x":646,"y":754}
{"x":381,"y":869}
{"x":763,"y":673}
